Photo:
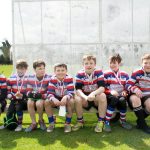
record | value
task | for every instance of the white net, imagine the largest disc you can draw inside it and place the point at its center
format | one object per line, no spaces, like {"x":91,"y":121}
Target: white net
{"x":65,"y":30}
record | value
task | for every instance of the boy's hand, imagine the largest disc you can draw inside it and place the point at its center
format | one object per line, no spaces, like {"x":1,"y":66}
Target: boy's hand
{"x":91,"y":97}
{"x":114,"y":93}
{"x":18,"y":95}
{"x":139,"y":93}
{"x":124,"y":93}
{"x":64,"y":100}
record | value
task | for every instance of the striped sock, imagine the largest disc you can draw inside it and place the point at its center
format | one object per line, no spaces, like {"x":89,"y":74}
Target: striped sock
{"x":122,"y":115}
{"x":81,"y":120}
{"x":109,"y":114}
{"x":100,"y":119}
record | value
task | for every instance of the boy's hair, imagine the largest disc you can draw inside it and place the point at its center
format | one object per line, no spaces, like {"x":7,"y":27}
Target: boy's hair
{"x":21,"y":63}
{"x":115,"y":57}
{"x":89,"y":57}
{"x":60,"y":65}
{"x":146,"y":56}
{"x":38,"y":63}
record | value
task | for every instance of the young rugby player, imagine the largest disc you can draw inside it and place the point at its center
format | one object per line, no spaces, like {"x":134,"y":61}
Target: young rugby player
{"x":90,"y":88}
{"x":60,"y":93}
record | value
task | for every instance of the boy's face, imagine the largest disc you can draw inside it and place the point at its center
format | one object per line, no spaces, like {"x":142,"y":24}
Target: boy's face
{"x":114,"y":66}
{"x":21,"y":71}
{"x":40,"y":71}
{"x":146,"y":65}
{"x":89,"y":66}
{"x":60,"y":72}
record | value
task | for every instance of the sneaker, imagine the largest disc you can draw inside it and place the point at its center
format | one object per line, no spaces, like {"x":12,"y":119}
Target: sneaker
{"x":2,"y":127}
{"x":67,"y":128}
{"x":145,"y":129}
{"x":19,"y":128}
{"x":51,"y":127}
{"x":99,"y":126}
{"x":42,"y":125}
{"x":78,"y":126}
{"x":126,"y":125}
{"x":31,"y":128}
{"x":107,"y":127}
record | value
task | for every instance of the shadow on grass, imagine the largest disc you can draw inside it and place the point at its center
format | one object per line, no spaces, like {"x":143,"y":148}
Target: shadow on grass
{"x":133,"y":139}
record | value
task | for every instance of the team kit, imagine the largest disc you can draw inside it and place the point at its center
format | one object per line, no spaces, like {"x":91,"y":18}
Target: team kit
{"x":106,"y":91}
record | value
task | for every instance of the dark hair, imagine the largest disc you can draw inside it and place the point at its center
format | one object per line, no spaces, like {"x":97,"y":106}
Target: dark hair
{"x":146,"y":56}
{"x":60,"y":65}
{"x":89,"y":57}
{"x":21,"y":63}
{"x":115,"y":57}
{"x":38,"y":63}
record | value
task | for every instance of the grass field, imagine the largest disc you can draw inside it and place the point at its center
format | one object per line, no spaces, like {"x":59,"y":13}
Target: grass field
{"x":85,"y":139}
{"x":6,"y":70}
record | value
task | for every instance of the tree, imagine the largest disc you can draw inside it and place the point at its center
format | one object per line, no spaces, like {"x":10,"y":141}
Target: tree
{"x":6,"y":52}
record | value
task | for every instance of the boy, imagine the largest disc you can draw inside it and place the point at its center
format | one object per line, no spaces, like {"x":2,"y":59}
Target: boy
{"x":139,"y":88}
{"x":37,"y":89}
{"x":115,"y":81}
{"x":60,"y":93}
{"x":17,"y":89}
{"x":3,"y":94}
{"x":90,"y":92}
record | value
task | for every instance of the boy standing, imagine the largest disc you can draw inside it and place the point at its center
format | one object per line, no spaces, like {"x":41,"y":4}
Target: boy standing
{"x":17,"y":89}
{"x":139,"y":88}
{"x":60,"y":93}
{"x":90,"y":92}
{"x":115,"y":81}
{"x":37,"y":92}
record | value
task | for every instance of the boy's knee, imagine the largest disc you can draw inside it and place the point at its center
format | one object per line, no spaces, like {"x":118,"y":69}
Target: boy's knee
{"x":135,"y":101}
{"x":78,"y":99}
{"x":101,"y":98}
{"x":147,"y":106}
{"x":46,"y":103}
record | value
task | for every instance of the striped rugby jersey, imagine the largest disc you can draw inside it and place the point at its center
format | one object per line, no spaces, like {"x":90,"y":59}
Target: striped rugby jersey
{"x":57,"y":88}
{"x":15,"y":84}
{"x":139,"y":80}
{"x":34,"y":85}
{"x":115,"y":81}
{"x":3,"y":87}
{"x":89,"y":83}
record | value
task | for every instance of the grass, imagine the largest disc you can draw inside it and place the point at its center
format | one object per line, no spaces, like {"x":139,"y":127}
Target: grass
{"x":85,"y":139}
{"x":6,"y":70}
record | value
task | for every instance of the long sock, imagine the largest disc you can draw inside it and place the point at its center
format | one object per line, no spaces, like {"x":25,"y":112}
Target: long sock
{"x":109,"y":114}
{"x":68,"y":120}
{"x":140,"y":116}
{"x":20,"y":117}
{"x":122,"y":115}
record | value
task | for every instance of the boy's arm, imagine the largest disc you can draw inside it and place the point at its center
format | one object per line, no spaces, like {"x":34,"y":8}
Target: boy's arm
{"x":100,"y":83}
{"x":81,"y":94}
{"x":51,"y":91}
{"x":3,"y":89}
{"x":10,"y":94}
{"x":70,"y":88}
{"x":130,"y":85}
{"x":78,"y":86}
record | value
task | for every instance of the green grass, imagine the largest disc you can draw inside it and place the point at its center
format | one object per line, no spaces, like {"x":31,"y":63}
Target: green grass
{"x":85,"y":139}
{"x":6,"y":70}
